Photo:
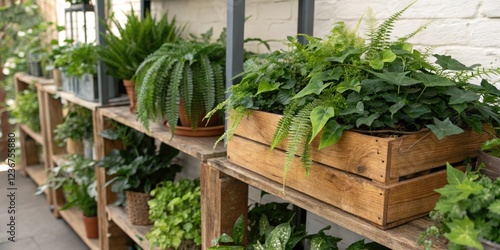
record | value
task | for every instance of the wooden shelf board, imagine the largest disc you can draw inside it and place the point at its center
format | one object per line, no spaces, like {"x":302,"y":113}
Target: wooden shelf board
{"x":136,"y":232}
{"x":401,"y":237}
{"x":23,"y":77}
{"x":35,"y":135}
{"x":59,"y":159}
{"x":37,"y":173}
{"x":73,"y":217}
{"x":199,"y":147}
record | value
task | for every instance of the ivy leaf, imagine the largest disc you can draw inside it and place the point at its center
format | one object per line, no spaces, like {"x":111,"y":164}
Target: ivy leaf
{"x":447,"y":62}
{"x":239,"y":230}
{"x":367,"y":120}
{"x":494,"y":207}
{"x":388,"y":56}
{"x":331,"y":134}
{"x":490,"y":144}
{"x":458,"y":96}
{"x":345,"y":54}
{"x":490,"y":87}
{"x":319,"y":117}
{"x":462,"y":232}
{"x":354,"y":85}
{"x":397,"y":106}
{"x":315,"y":85}
{"x":358,"y":109}
{"x":453,"y":175}
{"x":433,"y":80}
{"x":265,"y":86}
{"x":444,"y":128}
{"x":408,"y":47}
{"x":399,"y":79}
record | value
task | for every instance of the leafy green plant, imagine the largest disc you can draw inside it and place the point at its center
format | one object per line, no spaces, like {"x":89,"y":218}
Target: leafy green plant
{"x":340,"y":83}
{"x":78,"y":59}
{"x":25,"y":109}
{"x":135,"y":40}
{"x":492,"y":147}
{"x":467,"y":211}
{"x":190,"y":72}
{"x":139,"y":167}
{"x":76,"y":125}
{"x":176,"y":211}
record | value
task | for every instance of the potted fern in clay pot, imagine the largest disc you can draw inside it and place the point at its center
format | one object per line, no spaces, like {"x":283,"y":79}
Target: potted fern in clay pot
{"x":135,"y":40}
{"x":380,"y":110}
{"x":183,"y":81}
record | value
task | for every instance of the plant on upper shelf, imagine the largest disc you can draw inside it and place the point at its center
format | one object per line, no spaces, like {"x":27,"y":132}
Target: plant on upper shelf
{"x":176,"y":211}
{"x":339,"y":83}
{"x":76,"y":125}
{"x":467,"y":212}
{"x":78,"y":60}
{"x":25,"y":109}
{"x":186,"y":75}
{"x":139,"y":167}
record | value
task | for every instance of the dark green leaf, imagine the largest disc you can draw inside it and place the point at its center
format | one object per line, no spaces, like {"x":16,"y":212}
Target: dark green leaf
{"x":367,"y":120}
{"x":447,"y":62}
{"x":399,"y":79}
{"x":345,"y":54}
{"x":433,"y":80}
{"x":331,"y":134}
{"x":319,"y":117}
{"x":444,"y":128}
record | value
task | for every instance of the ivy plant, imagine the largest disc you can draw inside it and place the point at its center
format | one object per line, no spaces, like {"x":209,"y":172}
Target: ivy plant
{"x":342,"y":83}
{"x":176,"y":211}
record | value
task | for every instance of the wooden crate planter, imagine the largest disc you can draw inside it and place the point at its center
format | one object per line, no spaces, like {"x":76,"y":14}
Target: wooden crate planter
{"x":387,"y":181}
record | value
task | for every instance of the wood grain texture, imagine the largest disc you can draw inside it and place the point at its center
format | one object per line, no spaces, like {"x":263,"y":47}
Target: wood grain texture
{"x":74,"y":218}
{"x":401,"y":237}
{"x":198,"y":147}
{"x":37,"y":136}
{"x":24,"y":77}
{"x":135,"y":232}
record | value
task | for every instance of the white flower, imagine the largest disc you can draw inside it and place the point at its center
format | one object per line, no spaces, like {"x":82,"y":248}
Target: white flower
{"x":6,"y":71}
{"x":10,"y":102}
{"x":30,"y":31}
{"x":21,"y":54}
{"x":21,"y":33}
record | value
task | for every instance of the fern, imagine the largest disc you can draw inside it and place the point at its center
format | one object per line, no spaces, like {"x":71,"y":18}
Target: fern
{"x":172,"y":114}
{"x":209,"y":82}
{"x":284,"y":124}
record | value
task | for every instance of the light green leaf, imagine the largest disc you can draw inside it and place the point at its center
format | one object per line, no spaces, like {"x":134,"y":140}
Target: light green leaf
{"x":225,"y":238}
{"x":263,"y":225}
{"x":433,"y":80}
{"x":315,"y":85}
{"x":331,"y":134}
{"x":354,"y":85}
{"x":319,"y":117}
{"x":494,"y":207}
{"x":462,"y":232}
{"x":453,"y":175}
{"x":376,"y":64}
{"x":239,"y":230}
{"x":444,"y":128}
{"x":408,"y":47}
{"x":265,"y":86}
{"x":491,"y":144}
{"x":399,"y":79}
{"x":388,"y":56}
{"x":347,"y":52}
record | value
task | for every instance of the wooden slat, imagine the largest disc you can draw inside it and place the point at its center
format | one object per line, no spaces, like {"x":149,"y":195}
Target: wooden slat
{"x":198,"y":147}
{"x":88,"y":104}
{"x":402,"y":237}
{"x":59,"y":159}
{"x":21,"y":76}
{"x":37,"y":173}
{"x":74,"y":218}
{"x":136,"y":232}
{"x":35,"y":135}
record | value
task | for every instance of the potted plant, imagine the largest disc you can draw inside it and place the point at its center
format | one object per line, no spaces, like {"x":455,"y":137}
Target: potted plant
{"x":134,"y":41}
{"x":57,"y":50}
{"x":190,"y":85}
{"x":379,"y":110}
{"x":176,"y":211}
{"x":489,"y":155}
{"x":137,"y":169}
{"x":76,"y":131}
{"x":25,"y":109}
{"x":467,"y":213}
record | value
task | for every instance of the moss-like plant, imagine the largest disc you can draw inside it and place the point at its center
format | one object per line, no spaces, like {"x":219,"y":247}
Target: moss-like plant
{"x":190,"y":71}
{"x":136,"y":39}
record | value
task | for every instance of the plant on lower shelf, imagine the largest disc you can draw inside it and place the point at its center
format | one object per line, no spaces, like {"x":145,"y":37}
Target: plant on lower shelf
{"x":176,"y":211}
{"x":76,"y":126}
{"x":340,"y":83}
{"x":186,"y":75}
{"x":25,"y":109}
{"x":467,"y":212}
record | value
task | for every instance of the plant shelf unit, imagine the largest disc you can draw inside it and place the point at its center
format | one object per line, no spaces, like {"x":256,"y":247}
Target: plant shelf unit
{"x":35,"y":135}
{"x":73,"y":217}
{"x":122,"y":230}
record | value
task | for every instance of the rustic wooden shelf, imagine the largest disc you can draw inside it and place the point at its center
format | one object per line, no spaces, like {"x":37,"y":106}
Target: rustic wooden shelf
{"x":59,"y":159}
{"x":136,"y":232}
{"x":35,"y":135}
{"x":37,"y":173}
{"x":401,"y":237}
{"x":73,"y":217}
{"x":23,"y":77}
{"x":198,"y":147}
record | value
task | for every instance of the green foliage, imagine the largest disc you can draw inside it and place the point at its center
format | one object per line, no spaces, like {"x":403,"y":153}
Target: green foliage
{"x":176,"y":211}
{"x":78,"y":59}
{"x":77,"y":178}
{"x":25,"y":109}
{"x":468,"y":210}
{"x":338,"y":83}
{"x":492,"y":147}
{"x":139,"y":167}
{"x":76,"y":125}
{"x":190,"y":72}
{"x":135,"y":40}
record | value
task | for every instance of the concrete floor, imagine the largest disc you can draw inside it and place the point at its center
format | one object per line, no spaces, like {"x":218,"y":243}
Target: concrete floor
{"x":35,"y":226}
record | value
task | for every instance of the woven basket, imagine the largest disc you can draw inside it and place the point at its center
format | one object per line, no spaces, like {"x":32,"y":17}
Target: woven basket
{"x":138,"y":209}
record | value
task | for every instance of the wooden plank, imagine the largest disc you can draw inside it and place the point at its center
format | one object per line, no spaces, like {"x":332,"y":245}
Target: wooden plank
{"x":91,"y":105}
{"x":223,"y":200}
{"x":54,"y":118}
{"x":34,"y":135}
{"x":43,"y":113}
{"x":23,"y":77}
{"x":349,"y":192}
{"x":59,"y":159}
{"x":402,"y":237}
{"x":198,"y":147}
{"x":37,"y":173}
{"x":74,"y":218}
{"x":136,"y":232}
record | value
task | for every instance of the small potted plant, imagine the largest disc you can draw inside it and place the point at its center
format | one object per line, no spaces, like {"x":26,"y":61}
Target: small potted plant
{"x":76,"y":131}
{"x":489,"y":155}
{"x":136,"y":39}
{"x":137,"y":169}
{"x":467,"y":213}
{"x":190,"y":85}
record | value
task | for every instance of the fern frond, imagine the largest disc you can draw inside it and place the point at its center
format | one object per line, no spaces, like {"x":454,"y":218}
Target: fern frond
{"x":220,"y":83}
{"x":414,"y":33}
{"x":186,"y":89}
{"x":305,"y":158}
{"x":172,"y":113}
{"x":197,"y":102}
{"x":208,"y":83}
{"x":236,"y":115}
{"x":283,"y":127}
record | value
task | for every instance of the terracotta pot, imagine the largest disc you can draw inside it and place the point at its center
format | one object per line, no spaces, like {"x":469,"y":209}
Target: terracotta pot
{"x":213,"y":128}
{"x":74,"y":147}
{"x":132,"y":95}
{"x":185,"y":122}
{"x":138,"y":208}
{"x":91,"y":227}
{"x":491,"y":165}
